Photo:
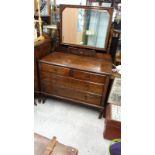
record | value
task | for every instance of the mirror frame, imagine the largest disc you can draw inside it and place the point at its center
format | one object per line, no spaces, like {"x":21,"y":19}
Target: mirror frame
{"x":109,"y":9}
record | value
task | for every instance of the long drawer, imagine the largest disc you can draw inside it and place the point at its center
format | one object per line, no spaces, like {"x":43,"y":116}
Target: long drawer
{"x":72,"y":83}
{"x":59,"y":90}
{"x":81,"y":75}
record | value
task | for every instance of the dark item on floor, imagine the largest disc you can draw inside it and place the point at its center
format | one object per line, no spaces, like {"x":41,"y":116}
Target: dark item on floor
{"x":45,"y":146}
{"x":115,"y":149}
{"x":112,"y":128}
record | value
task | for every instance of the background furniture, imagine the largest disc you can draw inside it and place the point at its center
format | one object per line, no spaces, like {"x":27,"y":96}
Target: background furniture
{"x":45,"y":12}
{"x":41,"y":49}
{"x":115,"y":47}
{"x":52,"y":29}
{"x":45,"y":9}
{"x":109,"y":3}
{"x":45,"y":146}
{"x":112,"y":125}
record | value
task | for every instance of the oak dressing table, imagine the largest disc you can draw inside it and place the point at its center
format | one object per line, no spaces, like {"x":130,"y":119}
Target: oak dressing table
{"x":80,"y":68}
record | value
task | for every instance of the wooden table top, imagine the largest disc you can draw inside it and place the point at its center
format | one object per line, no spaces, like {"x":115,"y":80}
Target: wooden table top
{"x":100,"y":64}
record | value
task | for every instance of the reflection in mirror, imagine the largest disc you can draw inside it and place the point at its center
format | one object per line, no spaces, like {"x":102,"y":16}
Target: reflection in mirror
{"x":85,"y":27}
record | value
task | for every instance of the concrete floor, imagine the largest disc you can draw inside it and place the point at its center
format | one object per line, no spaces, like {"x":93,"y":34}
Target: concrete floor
{"x":73,"y":125}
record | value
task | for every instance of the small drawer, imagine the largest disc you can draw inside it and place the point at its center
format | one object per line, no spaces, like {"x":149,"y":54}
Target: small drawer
{"x":88,"y":76}
{"x":54,"y":69}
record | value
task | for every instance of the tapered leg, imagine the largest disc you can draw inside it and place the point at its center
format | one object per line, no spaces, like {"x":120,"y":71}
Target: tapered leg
{"x":35,"y":102}
{"x":44,"y":99}
{"x":101,"y":114}
{"x":39,"y":97}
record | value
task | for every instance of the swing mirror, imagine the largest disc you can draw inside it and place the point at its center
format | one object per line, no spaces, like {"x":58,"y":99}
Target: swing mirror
{"x":85,"y":26}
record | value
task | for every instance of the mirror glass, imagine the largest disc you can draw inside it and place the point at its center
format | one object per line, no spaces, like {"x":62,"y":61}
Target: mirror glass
{"x":87,"y":27}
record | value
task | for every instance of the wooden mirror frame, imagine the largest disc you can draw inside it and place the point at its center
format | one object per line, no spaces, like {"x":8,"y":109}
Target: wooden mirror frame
{"x":109,"y":9}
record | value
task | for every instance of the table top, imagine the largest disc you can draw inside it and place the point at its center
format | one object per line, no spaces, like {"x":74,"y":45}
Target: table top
{"x":100,"y":64}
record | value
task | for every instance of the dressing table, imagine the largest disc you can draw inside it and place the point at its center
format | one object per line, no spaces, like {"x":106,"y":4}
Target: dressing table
{"x":80,"y":68}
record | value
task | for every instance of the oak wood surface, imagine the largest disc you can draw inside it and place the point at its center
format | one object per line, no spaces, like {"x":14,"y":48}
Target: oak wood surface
{"x":75,"y":73}
{"x":72,"y":82}
{"x":68,"y":92}
{"x":86,"y":63}
{"x":77,"y":78}
{"x":73,"y":101}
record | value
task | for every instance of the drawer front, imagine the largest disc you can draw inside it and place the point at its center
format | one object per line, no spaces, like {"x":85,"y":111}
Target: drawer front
{"x":54,"y":89}
{"x":73,"y":83}
{"x":88,"y":76}
{"x":81,"y":75}
{"x":54,"y":69}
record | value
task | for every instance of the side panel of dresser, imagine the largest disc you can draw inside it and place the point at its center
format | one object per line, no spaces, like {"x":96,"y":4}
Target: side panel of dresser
{"x":73,"y":84}
{"x":40,"y":50}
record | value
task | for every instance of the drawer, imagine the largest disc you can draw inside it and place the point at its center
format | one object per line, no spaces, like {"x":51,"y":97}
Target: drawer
{"x":88,"y":76}
{"x":54,"y":89}
{"x":77,"y":74}
{"x":54,"y":69}
{"x":72,"y":83}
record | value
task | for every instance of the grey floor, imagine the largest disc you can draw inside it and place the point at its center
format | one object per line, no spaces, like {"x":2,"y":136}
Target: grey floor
{"x":73,"y":125}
